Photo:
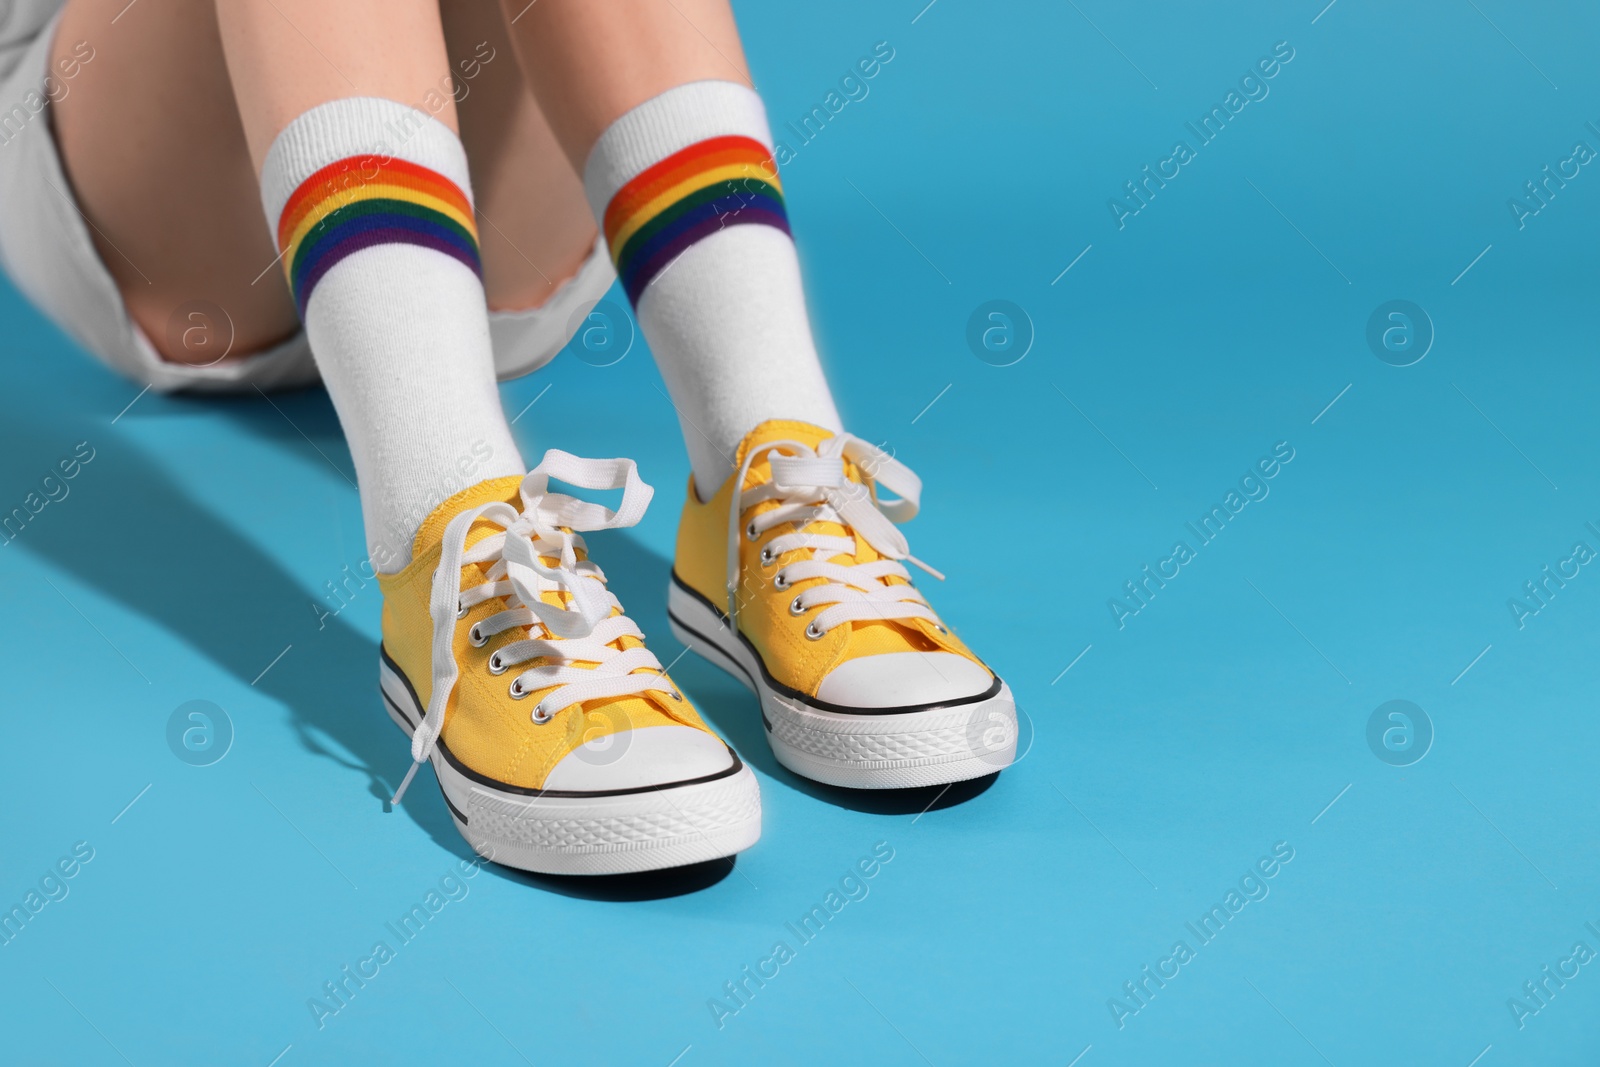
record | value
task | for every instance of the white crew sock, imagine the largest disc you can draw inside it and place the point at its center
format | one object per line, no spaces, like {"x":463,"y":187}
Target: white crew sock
{"x":372,"y":207}
{"x":688,"y":198}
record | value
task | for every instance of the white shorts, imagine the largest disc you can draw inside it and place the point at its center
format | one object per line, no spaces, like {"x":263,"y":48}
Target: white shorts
{"x":46,"y":250}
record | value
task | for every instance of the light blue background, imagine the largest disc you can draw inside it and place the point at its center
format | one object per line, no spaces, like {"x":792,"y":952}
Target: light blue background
{"x":1222,"y":719}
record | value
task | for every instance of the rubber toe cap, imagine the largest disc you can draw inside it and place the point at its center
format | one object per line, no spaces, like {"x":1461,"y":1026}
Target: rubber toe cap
{"x":640,"y":759}
{"x":904,"y":679}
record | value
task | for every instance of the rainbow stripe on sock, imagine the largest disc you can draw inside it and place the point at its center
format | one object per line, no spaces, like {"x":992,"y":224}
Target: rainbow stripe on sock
{"x":713,"y":184}
{"x":364,"y":201}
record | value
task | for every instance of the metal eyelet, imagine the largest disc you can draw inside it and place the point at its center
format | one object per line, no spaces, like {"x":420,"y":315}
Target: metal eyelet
{"x":676,"y":695}
{"x":780,"y":581}
{"x":461,"y":609}
{"x":813,"y":633}
{"x":941,"y":629}
{"x":495,"y":666}
{"x":477,"y":637}
{"x":766,"y":556}
{"x":750,"y":531}
{"x":795,"y":608}
{"x":517,"y":692}
{"x":538,"y":716}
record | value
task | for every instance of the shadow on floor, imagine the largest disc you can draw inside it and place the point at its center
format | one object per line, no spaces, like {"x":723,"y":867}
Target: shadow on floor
{"x":628,"y":888}
{"x":137,"y":537}
{"x":168,"y":557}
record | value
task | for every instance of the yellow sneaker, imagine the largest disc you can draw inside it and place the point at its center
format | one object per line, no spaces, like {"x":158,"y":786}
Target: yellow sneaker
{"x":790,"y":579}
{"x":558,"y":740}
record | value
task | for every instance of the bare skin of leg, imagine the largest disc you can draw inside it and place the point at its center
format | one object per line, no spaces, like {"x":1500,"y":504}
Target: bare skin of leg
{"x":591,"y":61}
{"x":287,"y":56}
{"x":152,"y":141}
{"x":534,"y":225}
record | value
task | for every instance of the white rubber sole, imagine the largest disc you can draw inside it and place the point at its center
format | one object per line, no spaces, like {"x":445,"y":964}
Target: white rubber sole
{"x":896,"y":750}
{"x":610,"y":833}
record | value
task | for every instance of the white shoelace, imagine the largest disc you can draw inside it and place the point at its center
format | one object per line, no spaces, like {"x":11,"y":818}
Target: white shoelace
{"x":810,"y":486}
{"x":584,"y":632}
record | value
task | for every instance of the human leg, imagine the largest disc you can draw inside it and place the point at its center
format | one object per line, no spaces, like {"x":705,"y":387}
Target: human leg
{"x":789,"y":571}
{"x":653,"y":103}
{"x":586,"y":758}
{"x":154,"y":157}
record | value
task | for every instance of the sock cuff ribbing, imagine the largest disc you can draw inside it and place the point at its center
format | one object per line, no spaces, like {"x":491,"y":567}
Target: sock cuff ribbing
{"x":678,"y":168}
{"x":358,"y":126}
{"x":666,"y":124}
{"x":363,"y":172}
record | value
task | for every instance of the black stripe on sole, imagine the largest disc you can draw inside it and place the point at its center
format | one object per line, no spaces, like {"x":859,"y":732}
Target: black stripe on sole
{"x":398,"y":710}
{"x":724,"y":656}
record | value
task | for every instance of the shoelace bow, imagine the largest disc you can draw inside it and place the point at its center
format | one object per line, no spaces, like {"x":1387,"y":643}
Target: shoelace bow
{"x":811,"y":486}
{"x":583,"y":632}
